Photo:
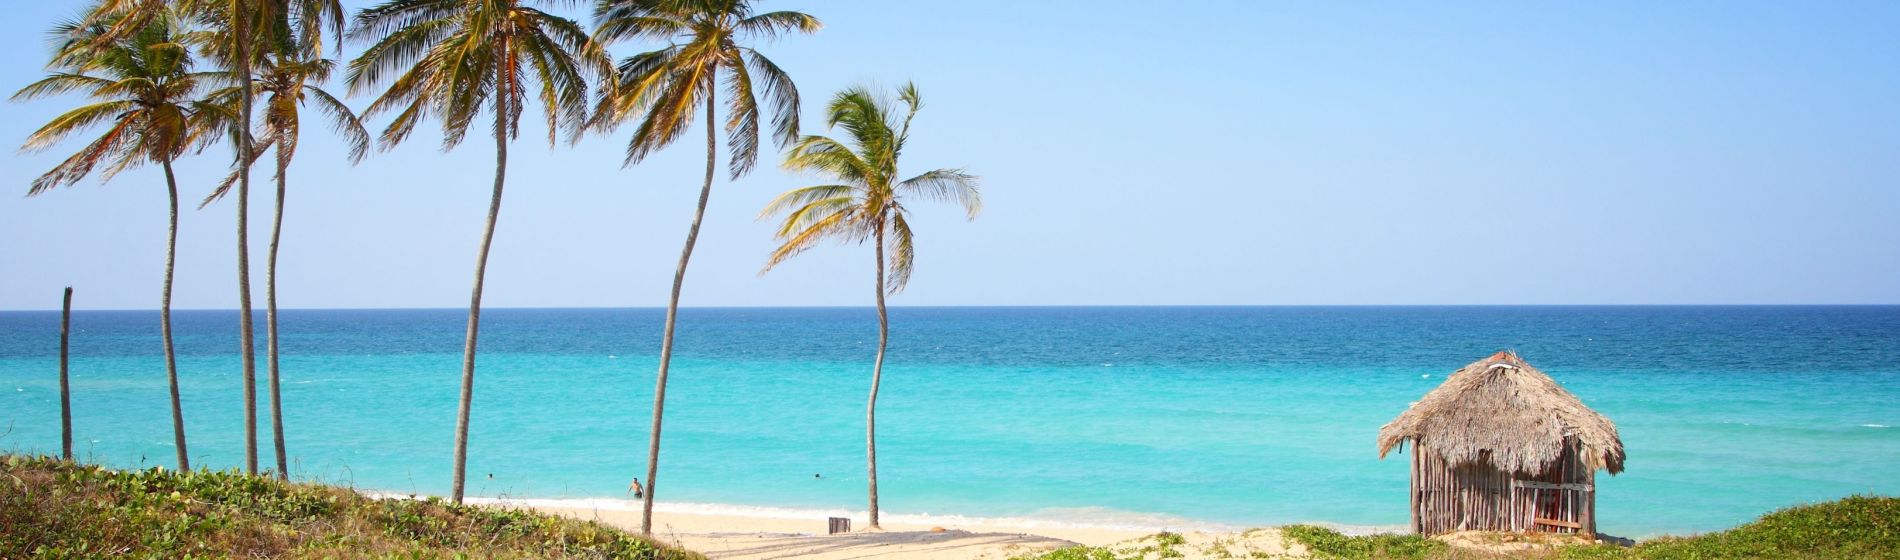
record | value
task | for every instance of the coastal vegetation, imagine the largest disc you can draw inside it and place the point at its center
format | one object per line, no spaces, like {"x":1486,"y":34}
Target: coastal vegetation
{"x":865,"y":204}
{"x":1852,"y":527}
{"x":663,"y":90}
{"x":52,"y":509}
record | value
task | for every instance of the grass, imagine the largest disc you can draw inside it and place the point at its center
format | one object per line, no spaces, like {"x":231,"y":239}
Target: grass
{"x":1857,"y":527}
{"x":1852,"y":527}
{"x":54,"y":509}
{"x":1327,"y":543}
{"x":1158,"y":545}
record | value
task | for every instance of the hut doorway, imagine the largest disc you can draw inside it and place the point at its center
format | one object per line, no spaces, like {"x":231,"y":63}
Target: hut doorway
{"x":1558,"y":501}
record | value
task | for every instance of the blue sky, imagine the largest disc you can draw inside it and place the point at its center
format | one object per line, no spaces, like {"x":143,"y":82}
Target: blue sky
{"x":1236,"y":153}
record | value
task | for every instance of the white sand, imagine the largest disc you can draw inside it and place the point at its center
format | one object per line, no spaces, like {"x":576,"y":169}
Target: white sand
{"x":757,"y":538}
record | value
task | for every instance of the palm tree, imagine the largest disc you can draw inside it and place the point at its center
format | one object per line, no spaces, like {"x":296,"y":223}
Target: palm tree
{"x":289,"y":75}
{"x":450,"y":59}
{"x":145,"y":93}
{"x":239,"y":25}
{"x":866,"y":204}
{"x":242,"y":19}
{"x":664,"y":88}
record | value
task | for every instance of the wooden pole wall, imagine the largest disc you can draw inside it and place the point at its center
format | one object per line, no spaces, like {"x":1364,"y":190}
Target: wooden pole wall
{"x":1449,"y":498}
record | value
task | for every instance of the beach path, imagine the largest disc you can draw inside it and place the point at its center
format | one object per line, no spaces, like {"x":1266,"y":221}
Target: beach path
{"x":758,"y":538}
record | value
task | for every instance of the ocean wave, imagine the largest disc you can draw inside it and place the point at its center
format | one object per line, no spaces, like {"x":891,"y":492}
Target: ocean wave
{"x":1048,"y":518}
{"x":1875,"y":426}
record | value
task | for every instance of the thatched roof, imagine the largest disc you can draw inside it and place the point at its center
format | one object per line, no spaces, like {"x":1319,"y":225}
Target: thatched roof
{"x":1503,"y":411}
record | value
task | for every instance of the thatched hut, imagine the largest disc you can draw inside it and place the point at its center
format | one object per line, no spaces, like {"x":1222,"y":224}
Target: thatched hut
{"x":1501,"y":447}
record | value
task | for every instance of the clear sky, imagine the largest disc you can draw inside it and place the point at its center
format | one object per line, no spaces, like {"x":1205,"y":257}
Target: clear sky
{"x":1233,"y":153}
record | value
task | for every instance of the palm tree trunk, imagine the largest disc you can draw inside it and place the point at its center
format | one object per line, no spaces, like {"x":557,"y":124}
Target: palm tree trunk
{"x":502,"y":110}
{"x":877,"y":375}
{"x":247,"y":343}
{"x":672,"y":313}
{"x":65,"y":392}
{"x":270,"y":317}
{"x":165,"y":322}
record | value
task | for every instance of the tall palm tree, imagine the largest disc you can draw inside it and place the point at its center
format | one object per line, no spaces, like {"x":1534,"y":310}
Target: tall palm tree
{"x":289,"y":74}
{"x":242,"y":20}
{"x":146,"y":94}
{"x":865,"y":204}
{"x":664,"y":88}
{"x":238,"y":25}
{"x":450,"y":59}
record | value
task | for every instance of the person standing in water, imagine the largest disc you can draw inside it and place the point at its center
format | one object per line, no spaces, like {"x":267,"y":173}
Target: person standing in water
{"x":635,"y":489}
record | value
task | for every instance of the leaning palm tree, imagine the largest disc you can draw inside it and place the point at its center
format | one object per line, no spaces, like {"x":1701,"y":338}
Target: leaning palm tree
{"x":663,"y":89}
{"x":865,"y":204}
{"x":145,"y":93}
{"x":289,"y":76}
{"x":450,"y":59}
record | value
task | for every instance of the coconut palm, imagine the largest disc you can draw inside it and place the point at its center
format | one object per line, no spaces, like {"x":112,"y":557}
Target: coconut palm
{"x":866,"y":204}
{"x":145,"y":93}
{"x":450,"y":59}
{"x":238,"y":27}
{"x":242,"y":23}
{"x":289,"y":76}
{"x":663,"y":89}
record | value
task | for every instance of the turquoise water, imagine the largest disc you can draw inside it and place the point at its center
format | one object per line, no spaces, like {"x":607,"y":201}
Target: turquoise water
{"x":1227,"y":416}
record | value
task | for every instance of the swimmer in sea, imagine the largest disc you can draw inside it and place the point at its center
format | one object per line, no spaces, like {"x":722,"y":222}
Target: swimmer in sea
{"x":635,"y":489}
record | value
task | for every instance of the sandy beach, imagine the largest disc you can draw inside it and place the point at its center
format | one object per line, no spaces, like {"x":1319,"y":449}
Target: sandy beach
{"x":759,"y":537}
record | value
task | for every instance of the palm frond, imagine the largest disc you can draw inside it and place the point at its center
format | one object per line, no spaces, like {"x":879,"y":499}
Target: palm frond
{"x":634,"y":89}
{"x":823,"y":155}
{"x":344,"y":122}
{"x":816,"y":222}
{"x":948,"y":185}
{"x":81,"y":118}
{"x":781,"y":93}
{"x":901,"y":251}
{"x":61,"y":83}
{"x":671,"y":113}
{"x":772,"y":24}
{"x":115,"y":145}
{"x":742,"y":124}
{"x":803,"y":196}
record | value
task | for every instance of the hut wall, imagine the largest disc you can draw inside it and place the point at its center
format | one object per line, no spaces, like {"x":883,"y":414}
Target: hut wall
{"x":1477,"y":497}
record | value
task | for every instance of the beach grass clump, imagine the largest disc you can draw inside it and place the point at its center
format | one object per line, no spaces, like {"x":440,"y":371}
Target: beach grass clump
{"x":1077,"y":552}
{"x":1157,"y":546}
{"x":1327,"y":543}
{"x":58,"y":509}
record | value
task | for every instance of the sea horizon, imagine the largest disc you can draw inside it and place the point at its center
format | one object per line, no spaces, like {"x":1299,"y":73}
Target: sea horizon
{"x":1151,"y":416}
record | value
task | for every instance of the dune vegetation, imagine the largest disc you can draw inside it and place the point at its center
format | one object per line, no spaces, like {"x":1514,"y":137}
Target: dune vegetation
{"x":1852,"y":527}
{"x":59,"y":509}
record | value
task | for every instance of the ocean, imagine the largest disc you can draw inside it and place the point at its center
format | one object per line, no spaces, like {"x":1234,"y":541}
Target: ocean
{"x":1181,"y":417}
